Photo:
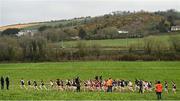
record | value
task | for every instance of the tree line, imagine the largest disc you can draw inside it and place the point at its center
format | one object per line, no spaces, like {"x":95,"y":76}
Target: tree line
{"x":38,"y":48}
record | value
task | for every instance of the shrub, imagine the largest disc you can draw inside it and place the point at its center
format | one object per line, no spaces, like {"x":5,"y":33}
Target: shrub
{"x":175,"y":43}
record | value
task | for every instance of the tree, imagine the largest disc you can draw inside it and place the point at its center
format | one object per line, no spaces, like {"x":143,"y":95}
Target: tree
{"x":82,"y":33}
{"x":9,"y":48}
{"x":10,"y":31}
{"x":82,"y":49}
{"x":148,"y":45}
{"x":163,"y":26}
{"x":54,"y":35}
{"x":34,"y":48}
{"x":171,"y":19}
{"x":43,"y":28}
{"x":175,"y":43}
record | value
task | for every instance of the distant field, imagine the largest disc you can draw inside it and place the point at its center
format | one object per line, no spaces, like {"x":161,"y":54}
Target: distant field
{"x":121,"y":43}
{"x":20,"y":26}
{"x":36,"y":25}
{"x":150,"y":71}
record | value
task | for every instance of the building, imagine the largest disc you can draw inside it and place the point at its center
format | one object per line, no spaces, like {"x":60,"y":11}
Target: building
{"x":75,"y":38}
{"x":175,"y":28}
{"x":123,"y":32}
{"x":26,"y":32}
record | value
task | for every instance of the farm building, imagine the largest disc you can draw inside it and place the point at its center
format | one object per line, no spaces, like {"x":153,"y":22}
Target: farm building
{"x":175,"y":28}
{"x":123,"y":32}
{"x":26,"y":32}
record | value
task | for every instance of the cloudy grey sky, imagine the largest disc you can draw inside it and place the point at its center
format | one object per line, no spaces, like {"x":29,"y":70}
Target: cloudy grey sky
{"x":22,"y":11}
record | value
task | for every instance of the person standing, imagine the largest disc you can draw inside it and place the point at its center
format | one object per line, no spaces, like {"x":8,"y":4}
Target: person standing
{"x":109,"y":85}
{"x":101,"y":81}
{"x":2,"y":82}
{"x":140,"y":86}
{"x":158,"y":89}
{"x":7,"y":83}
{"x":77,"y":81}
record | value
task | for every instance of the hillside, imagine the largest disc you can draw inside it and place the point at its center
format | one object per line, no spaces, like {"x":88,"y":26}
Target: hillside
{"x":109,"y":26}
{"x":20,"y":26}
{"x":137,"y":24}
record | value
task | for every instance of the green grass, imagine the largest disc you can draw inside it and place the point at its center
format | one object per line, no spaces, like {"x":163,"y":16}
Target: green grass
{"x":122,"y":43}
{"x":150,"y":71}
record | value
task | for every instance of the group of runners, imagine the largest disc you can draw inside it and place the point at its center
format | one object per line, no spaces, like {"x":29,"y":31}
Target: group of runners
{"x":96,"y":84}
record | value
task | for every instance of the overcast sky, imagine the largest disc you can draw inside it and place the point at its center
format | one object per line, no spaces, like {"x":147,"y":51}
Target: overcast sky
{"x":22,"y":11}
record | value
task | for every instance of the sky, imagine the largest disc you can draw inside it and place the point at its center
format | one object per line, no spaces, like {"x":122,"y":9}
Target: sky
{"x":24,"y":11}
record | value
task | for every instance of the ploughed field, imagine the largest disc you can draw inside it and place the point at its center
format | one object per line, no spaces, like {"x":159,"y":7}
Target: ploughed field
{"x":150,"y":71}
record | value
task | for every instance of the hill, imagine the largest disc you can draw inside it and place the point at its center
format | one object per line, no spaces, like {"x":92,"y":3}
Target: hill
{"x":108,"y":26}
{"x":19,"y":26}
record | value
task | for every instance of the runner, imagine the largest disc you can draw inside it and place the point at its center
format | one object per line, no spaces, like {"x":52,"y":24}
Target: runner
{"x":166,"y":87}
{"x":58,"y":84}
{"x":35,"y":85}
{"x":51,"y":84}
{"x":150,"y":86}
{"x":173,"y":87}
{"x":68,"y":85}
{"x":22,"y":84}
{"x":136,"y":85}
{"x":130,"y":86}
{"x":42,"y":85}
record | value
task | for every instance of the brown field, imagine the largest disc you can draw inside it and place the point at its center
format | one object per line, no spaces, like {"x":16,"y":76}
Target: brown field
{"x":17,"y":26}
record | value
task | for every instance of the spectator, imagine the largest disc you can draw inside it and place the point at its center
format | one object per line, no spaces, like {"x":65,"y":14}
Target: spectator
{"x":158,"y":89}
{"x":2,"y":82}
{"x":109,"y":85}
{"x":7,"y":83}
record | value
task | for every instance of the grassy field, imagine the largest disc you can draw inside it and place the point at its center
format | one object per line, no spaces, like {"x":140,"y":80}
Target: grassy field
{"x":122,"y":43}
{"x":150,"y":71}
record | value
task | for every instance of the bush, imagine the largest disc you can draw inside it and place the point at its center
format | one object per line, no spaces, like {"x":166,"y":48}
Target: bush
{"x":10,"y":31}
{"x":95,"y":49}
{"x":148,"y":45}
{"x":43,"y":28}
{"x":175,"y":43}
{"x":9,"y":49}
{"x":81,"y":49}
{"x":34,"y":48}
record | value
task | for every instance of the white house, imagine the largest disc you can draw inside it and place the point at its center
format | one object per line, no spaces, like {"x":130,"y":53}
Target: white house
{"x":75,"y":38}
{"x":175,"y":28}
{"x":26,"y":32}
{"x":123,"y":32}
